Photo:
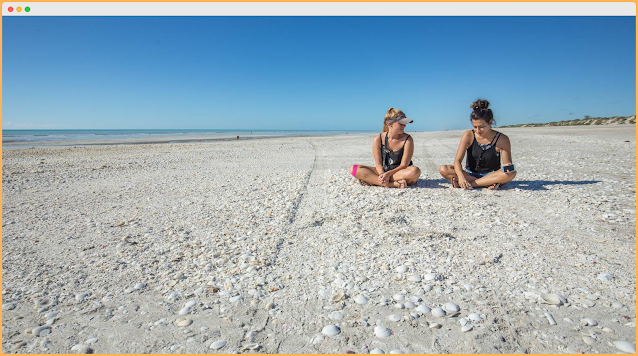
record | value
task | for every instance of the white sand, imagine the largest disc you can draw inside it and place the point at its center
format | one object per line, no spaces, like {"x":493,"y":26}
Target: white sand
{"x":282,"y":224}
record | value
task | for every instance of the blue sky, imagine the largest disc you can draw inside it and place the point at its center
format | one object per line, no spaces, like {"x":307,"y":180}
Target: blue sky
{"x":311,"y":73}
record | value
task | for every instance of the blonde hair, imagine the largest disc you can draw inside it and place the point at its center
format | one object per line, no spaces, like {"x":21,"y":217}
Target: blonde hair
{"x":392,"y":112}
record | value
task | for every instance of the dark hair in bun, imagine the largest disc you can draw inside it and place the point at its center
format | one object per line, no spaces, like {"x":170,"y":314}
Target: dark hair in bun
{"x":481,"y":111}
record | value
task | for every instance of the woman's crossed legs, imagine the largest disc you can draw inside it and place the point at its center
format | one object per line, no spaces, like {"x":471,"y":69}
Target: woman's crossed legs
{"x":401,"y":179}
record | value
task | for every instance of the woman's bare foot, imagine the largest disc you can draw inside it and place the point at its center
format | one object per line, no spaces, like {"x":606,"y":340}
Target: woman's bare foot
{"x":494,"y":186}
{"x":455,"y":183}
{"x":401,"y":184}
{"x":364,"y":183}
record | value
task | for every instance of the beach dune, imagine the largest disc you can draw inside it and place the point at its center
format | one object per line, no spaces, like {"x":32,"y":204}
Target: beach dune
{"x":271,"y":246}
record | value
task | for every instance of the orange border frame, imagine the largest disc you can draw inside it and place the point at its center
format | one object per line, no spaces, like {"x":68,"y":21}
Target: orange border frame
{"x":124,"y":1}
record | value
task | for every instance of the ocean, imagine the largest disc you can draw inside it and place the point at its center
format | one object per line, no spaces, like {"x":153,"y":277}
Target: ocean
{"x":42,"y":137}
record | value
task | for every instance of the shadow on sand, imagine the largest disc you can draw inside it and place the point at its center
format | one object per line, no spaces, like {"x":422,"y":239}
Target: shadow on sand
{"x":519,"y":184}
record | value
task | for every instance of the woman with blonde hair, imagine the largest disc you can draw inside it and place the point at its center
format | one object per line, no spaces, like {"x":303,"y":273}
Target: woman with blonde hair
{"x":392,"y":150}
{"x":485,"y":149}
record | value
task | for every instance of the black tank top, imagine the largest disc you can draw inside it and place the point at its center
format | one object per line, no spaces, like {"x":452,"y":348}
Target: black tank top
{"x":483,"y":158}
{"x":391,"y":160}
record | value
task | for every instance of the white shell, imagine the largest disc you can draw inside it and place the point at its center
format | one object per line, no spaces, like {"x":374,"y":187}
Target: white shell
{"x":398,"y":297}
{"x":625,"y":346}
{"x":589,"y":322}
{"x":467,"y":328}
{"x":331,"y":330}
{"x":605,"y":277}
{"x":414,"y":278}
{"x":474,"y":317}
{"x":409,"y":305}
{"x":553,"y":298}
{"x":399,"y":306}
{"x":394,"y":317}
{"x":190,"y":303}
{"x":377,"y":351}
{"x":608,"y":330}
{"x":438,"y":312}
{"x":451,"y":307}
{"x":414,"y":299}
{"x":41,"y":330}
{"x":218,"y":344}
{"x":463,"y":321}
{"x":396,"y":352}
{"x":235,"y":299}
{"x":550,"y":318}
{"x":427,"y":288}
{"x":434,"y":325}
{"x":402,"y":269}
{"x":185,"y":311}
{"x":589,"y":340}
{"x":430,"y":276}
{"x":381,"y":331}
{"x":423,"y":309}
{"x":140,"y":285}
{"x":360,"y":299}
{"x":338,"y":297}
{"x":184,"y":322}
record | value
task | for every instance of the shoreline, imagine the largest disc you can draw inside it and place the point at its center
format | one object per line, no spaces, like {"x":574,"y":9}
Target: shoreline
{"x":176,"y":139}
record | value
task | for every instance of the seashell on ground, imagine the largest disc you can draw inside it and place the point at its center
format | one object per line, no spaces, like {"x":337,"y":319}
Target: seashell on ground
{"x":381,"y":331}
{"x":185,"y":311}
{"x":589,"y":322}
{"x":427,"y":288}
{"x":41,"y":330}
{"x":434,"y":325}
{"x":330,"y":330}
{"x":218,"y":344}
{"x":401,"y":269}
{"x":467,"y":328}
{"x":438,"y":312}
{"x":589,"y":340}
{"x":396,"y":352}
{"x":377,"y":351}
{"x":451,"y":307}
{"x":550,"y":318}
{"x":399,"y":306}
{"x":360,"y":299}
{"x":338,"y":297}
{"x":409,"y":305}
{"x":463,"y":321}
{"x":474,"y":317}
{"x":553,"y":298}
{"x":81,"y":349}
{"x":423,"y":309}
{"x":190,"y":303}
{"x":394,"y":317}
{"x":398,"y":297}
{"x":184,"y":322}
{"x":608,"y":330}
{"x":430,"y":276}
{"x":414,"y":278}
{"x":625,"y":346}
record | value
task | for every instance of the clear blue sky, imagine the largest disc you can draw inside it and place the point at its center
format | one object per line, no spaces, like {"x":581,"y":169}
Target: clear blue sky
{"x":305,"y":73}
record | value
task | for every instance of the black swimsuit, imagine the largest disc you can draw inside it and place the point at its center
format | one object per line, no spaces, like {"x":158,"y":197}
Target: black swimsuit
{"x":483,"y":158}
{"x":391,"y":160}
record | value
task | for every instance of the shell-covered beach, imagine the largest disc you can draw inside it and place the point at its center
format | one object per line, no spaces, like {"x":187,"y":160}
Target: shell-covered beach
{"x":271,"y":246}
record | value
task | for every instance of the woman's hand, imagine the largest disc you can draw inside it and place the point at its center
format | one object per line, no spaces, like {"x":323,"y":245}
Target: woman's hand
{"x":463,"y":183}
{"x":385,"y":177}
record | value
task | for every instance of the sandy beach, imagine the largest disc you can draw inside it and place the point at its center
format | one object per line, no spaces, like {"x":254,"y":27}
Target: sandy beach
{"x":271,"y":246}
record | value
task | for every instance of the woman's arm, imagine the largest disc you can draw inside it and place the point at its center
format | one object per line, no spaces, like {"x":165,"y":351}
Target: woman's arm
{"x":506,"y":149}
{"x":376,"y":152}
{"x":466,"y":141}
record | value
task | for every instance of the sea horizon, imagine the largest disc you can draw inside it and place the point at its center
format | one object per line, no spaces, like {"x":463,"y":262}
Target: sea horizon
{"x":45,"y":135}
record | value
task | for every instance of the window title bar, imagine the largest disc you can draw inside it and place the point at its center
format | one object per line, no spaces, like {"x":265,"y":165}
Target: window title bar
{"x":318,"y":9}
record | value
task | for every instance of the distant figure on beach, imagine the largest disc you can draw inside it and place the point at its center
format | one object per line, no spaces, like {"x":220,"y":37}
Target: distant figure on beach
{"x":392,"y":150}
{"x":485,"y":149}
{"x":237,"y":138}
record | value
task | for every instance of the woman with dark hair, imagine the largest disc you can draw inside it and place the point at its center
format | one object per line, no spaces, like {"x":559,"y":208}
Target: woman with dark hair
{"x":485,"y":149}
{"x":392,"y":150}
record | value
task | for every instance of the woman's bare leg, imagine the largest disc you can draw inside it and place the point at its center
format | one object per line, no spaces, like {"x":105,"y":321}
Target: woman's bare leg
{"x":494,"y":178}
{"x":448,"y":172}
{"x":410,"y":174}
{"x":369,"y":175}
